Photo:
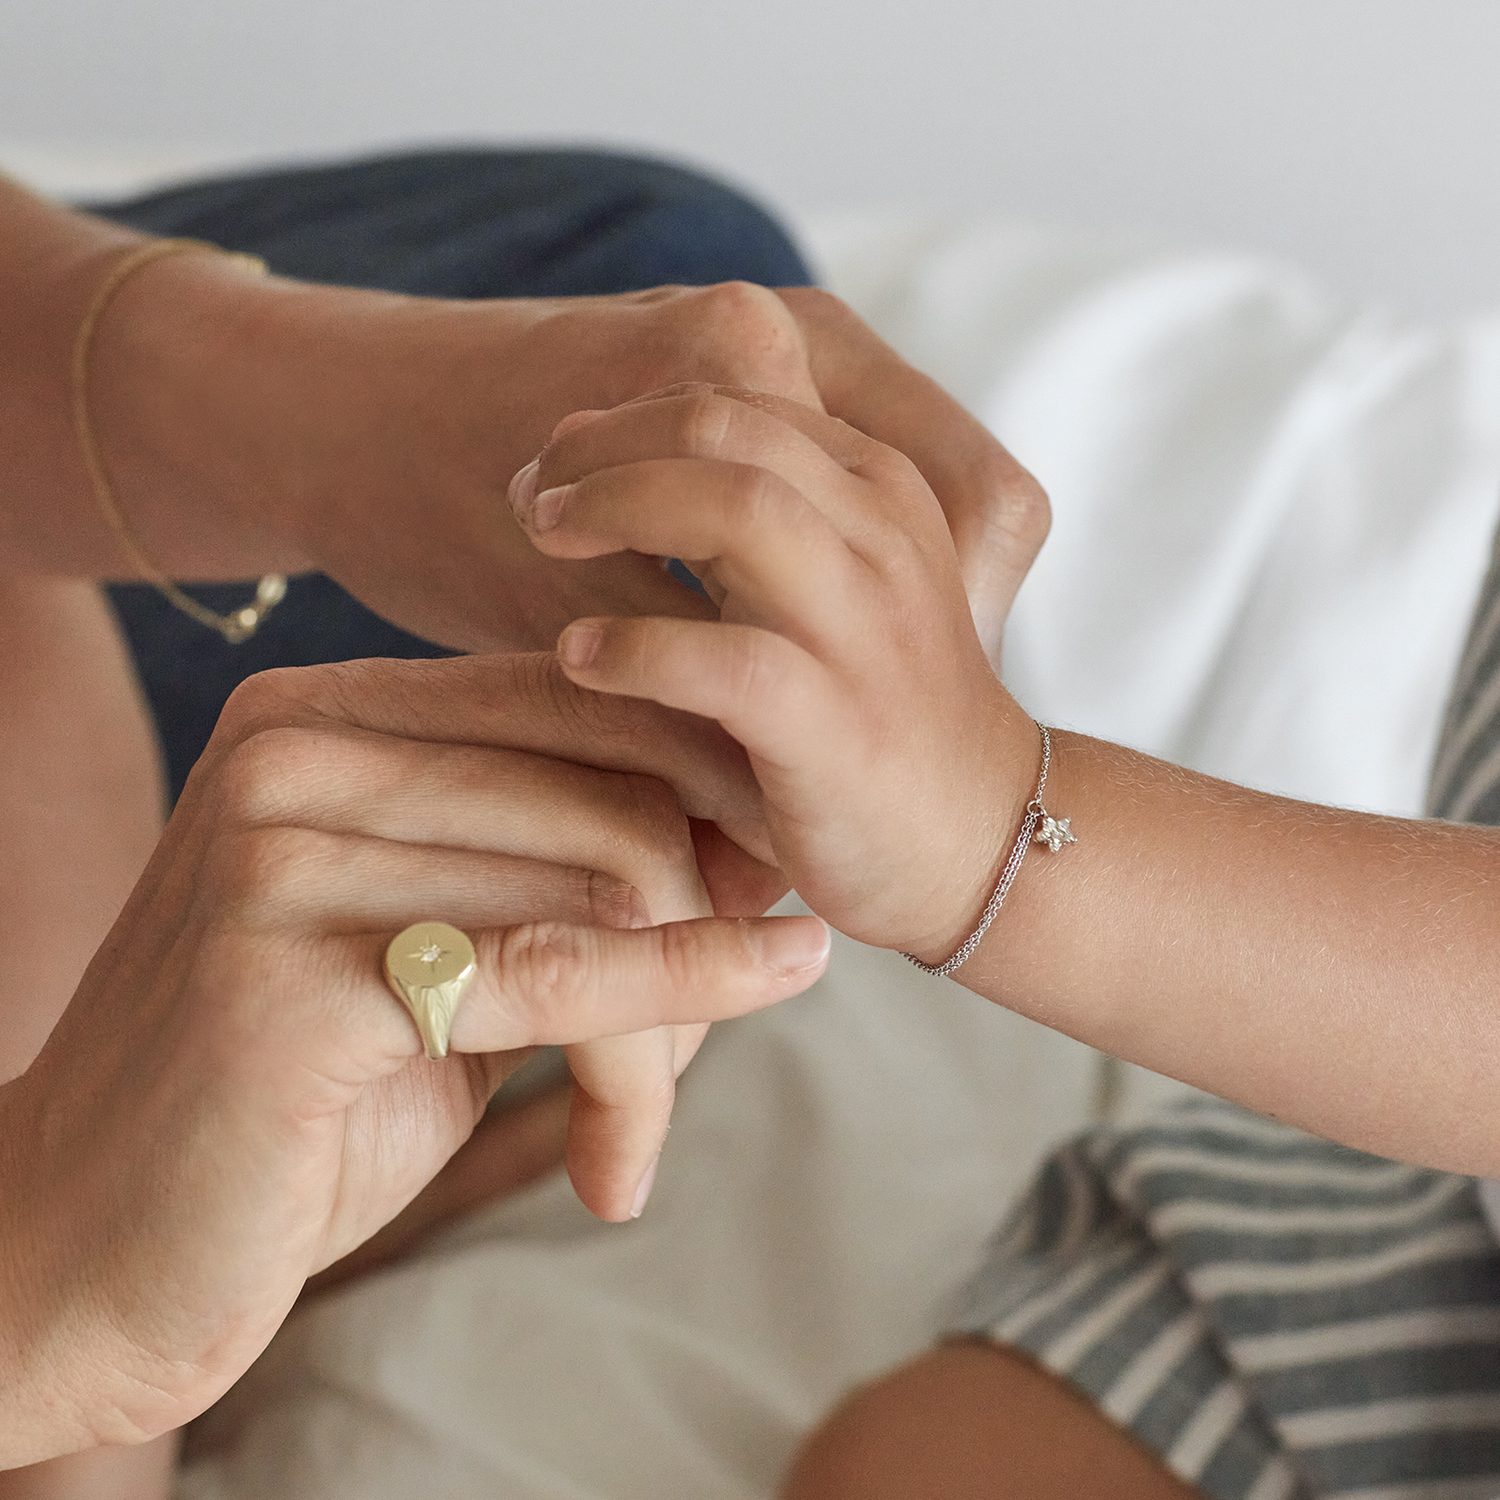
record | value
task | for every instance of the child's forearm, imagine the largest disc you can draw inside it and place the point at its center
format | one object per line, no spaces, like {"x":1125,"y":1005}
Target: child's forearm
{"x":143,"y":1473}
{"x":1335,"y":969}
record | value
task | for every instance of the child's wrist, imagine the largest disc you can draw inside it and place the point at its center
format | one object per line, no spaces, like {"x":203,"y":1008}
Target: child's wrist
{"x":990,"y":805}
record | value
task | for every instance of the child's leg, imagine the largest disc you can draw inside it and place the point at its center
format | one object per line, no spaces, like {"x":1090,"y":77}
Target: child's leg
{"x":975,"y":1422}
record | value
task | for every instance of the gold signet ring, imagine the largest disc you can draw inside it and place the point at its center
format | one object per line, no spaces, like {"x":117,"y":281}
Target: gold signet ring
{"x":429,"y":967}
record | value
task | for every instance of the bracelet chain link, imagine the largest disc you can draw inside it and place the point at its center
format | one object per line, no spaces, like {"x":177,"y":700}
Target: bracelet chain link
{"x":1037,"y":825}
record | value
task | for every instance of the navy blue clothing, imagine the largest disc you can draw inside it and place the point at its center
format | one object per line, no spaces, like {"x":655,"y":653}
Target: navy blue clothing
{"x":447,"y":223}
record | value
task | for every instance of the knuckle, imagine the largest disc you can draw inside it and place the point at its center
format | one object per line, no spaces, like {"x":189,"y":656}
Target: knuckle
{"x":751,"y":335}
{"x":257,"y":872}
{"x":748,"y":670}
{"x":658,"y":828}
{"x":681,"y":959}
{"x":892,"y":467}
{"x":745,"y":308}
{"x":764,"y":504}
{"x":703,"y":421}
{"x":541,"y":964}
{"x":1024,"y":507}
{"x":586,"y":718}
{"x":818,"y":304}
{"x":252,"y":776}
{"x":271,"y":697}
{"x":280,"y":763}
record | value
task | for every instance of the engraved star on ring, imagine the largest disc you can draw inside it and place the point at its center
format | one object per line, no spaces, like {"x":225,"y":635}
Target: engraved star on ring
{"x":428,"y":967}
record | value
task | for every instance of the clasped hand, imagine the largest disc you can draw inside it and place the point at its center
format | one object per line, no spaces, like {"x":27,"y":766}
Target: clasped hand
{"x":846,"y":659}
{"x":233,"y":1100}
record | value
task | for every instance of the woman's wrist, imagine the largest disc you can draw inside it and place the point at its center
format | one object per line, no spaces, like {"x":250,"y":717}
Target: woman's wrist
{"x":183,"y":361}
{"x":71,"y":1376}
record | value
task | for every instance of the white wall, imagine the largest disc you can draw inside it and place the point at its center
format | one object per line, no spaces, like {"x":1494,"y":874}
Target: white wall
{"x":1361,"y":136}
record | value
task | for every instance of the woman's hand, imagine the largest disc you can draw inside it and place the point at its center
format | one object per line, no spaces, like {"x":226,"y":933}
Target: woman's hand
{"x":893,"y":764}
{"x":253,"y":425}
{"x":512,"y":1147}
{"x":379,"y":433}
{"x":234,"y":1101}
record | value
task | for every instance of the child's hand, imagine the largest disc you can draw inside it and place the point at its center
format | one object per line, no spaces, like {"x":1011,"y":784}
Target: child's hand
{"x":894,"y":766}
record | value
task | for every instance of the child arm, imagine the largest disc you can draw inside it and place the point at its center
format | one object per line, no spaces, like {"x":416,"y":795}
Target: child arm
{"x":1335,"y":969}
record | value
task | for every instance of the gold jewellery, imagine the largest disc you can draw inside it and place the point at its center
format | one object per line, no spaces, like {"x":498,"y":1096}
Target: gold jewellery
{"x":429,"y":968}
{"x":239,"y":625}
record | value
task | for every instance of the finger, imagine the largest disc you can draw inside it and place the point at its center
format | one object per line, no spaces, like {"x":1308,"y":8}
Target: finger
{"x":552,"y":983}
{"x":738,"y":884}
{"x":734,"y":333}
{"x":516,"y":702}
{"x":510,"y":1149}
{"x":768,"y":692}
{"x":350,"y":883}
{"x":997,"y":513}
{"x":502,"y":802}
{"x":398,"y":806}
{"x":815,"y":454}
{"x":746,"y":528}
{"x":622,"y":1107}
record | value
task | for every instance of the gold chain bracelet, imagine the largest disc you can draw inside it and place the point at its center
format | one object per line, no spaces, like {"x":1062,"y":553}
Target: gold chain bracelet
{"x":239,"y":625}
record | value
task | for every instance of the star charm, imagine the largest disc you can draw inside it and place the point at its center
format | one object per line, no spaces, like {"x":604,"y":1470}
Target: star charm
{"x":1055,"y":832}
{"x":430,"y":953}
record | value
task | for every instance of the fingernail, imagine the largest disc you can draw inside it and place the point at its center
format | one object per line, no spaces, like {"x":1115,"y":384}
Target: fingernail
{"x":546,"y":509}
{"x":792,"y":944}
{"x":640,"y":913}
{"x":579,"y":644}
{"x":643,"y":1192}
{"x":523,"y":487}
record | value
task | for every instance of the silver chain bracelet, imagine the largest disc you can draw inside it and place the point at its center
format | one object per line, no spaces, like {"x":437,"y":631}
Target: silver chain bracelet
{"x":1037,"y":826}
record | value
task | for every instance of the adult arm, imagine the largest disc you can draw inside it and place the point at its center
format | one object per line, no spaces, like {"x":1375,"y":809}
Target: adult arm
{"x":257,"y":424}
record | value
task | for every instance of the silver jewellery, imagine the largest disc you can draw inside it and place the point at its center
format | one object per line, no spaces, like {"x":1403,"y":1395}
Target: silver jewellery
{"x":1038,"y":826}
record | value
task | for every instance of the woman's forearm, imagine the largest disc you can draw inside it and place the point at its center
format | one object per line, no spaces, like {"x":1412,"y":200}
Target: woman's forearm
{"x":1335,"y":969}
{"x":168,"y":351}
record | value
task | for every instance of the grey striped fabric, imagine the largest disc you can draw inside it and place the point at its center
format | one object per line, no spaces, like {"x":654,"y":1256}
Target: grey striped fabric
{"x":1277,"y":1317}
{"x":1466,"y":774}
